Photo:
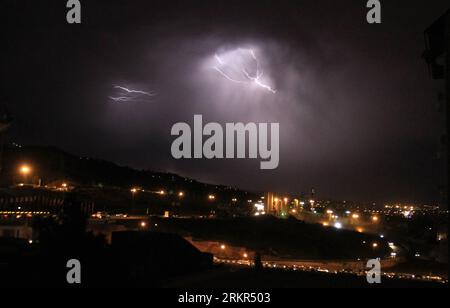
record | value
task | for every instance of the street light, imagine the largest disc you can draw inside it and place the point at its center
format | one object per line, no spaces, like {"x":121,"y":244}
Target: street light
{"x":25,"y":169}
{"x":180,"y":194}
{"x":133,"y":192}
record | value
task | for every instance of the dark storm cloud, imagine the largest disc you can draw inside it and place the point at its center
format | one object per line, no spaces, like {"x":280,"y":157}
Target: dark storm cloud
{"x":353,"y":101}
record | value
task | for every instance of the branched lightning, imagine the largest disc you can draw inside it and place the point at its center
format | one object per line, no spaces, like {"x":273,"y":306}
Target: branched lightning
{"x":130,"y":95}
{"x":246,"y":76}
{"x":119,"y":99}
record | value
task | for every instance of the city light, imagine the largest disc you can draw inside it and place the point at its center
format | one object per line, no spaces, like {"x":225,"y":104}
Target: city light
{"x":355,"y":216}
{"x":338,"y":225}
{"x":222,"y":247}
{"x":259,"y":207}
{"x":143,"y":224}
{"x":211,"y":197}
{"x":180,"y":194}
{"x":407,"y":214}
{"x":162,"y":192}
{"x":245,"y":255}
{"x":133,"y":190}
{"x":375,"y":218}
{"x":375,"y":245}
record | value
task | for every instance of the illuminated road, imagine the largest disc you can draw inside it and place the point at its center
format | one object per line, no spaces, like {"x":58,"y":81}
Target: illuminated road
{"x":304,"y":266}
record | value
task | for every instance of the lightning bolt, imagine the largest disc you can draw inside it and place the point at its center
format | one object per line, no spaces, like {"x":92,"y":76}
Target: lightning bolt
{"x":119,"y":99}
{"x":134,"y":91}
{"x":247,"y":77}
{"x":129,"y":95}
{"x":226,"y":76}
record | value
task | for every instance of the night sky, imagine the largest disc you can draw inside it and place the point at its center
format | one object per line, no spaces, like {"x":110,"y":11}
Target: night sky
{"x":355,"y":102}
